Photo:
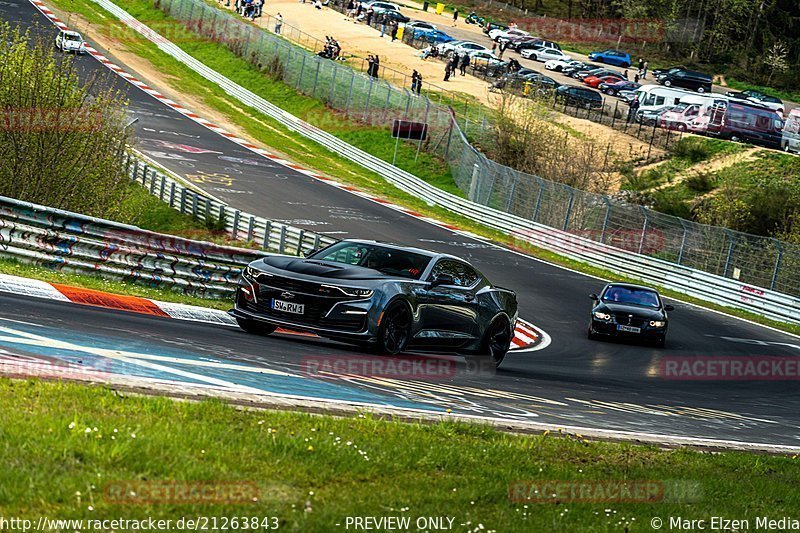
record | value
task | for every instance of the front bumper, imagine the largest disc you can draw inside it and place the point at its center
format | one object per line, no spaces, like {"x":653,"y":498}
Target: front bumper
{"x":348,"y":319}
{"x":610,"y":328}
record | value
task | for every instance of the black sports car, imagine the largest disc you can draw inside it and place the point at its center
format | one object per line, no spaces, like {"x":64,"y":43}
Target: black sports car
{"x":387,"y":298}
{"x":625,"y":310}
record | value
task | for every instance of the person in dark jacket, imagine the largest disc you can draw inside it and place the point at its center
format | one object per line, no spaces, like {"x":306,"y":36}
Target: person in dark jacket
{"x":464,"y":64}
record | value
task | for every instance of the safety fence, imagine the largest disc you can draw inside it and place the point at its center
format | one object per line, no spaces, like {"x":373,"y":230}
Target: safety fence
{"x":514,"y":202}
{"x":71,"y":242}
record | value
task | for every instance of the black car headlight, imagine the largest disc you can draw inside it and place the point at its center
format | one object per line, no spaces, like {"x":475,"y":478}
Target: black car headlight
{"x":357,"y":293}
{"x":599,"y":315}
{"x":657,"y":323}
{"x":249,"y":272}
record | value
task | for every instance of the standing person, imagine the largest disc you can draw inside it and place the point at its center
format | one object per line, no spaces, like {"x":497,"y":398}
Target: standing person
{"x":419,"y":83}
{"x":636,"y":78}
{"x":634,"y":107}
{"x":259,"y":7}
{"x":494,"y":46}
{"x":502,"y":49}
{"x":625,"y":74}
{"x":376,"y":66}
{"x":370,"y":14}
{"x":447,"y":71}
{"x":394,"y":30}
{"x":351,"y":9}
{"x":455,"y":17}
{"x":641,"y":65}
{"x":464,"y":64}
{"x":383,"y":26}
{"x":278,"y":23}
{"x":370,"y":65}
{"x":644,"y":70}
{"x":414,"y":81}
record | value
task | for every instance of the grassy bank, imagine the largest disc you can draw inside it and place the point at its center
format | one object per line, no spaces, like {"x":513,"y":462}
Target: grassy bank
{"x":69,"y":448}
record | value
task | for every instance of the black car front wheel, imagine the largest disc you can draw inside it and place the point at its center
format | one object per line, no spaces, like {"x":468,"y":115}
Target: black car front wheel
{"x":255,"y":327}
{"x":497,"y":340}
{"x":395,"y":329}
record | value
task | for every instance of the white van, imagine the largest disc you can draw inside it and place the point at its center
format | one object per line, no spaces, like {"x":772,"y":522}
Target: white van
{"x":691,"y":114}
{"x":651,"y":97}
{"x":790,"y":140}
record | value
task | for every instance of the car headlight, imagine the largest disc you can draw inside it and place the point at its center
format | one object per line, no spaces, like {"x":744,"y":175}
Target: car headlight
{"x":253,"y":273}
{"x":657,"y":323}
{"x":359,"y":293}
{"x":602,"y":316}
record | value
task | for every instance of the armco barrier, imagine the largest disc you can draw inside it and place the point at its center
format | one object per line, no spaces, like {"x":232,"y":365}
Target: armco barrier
{"x":718,"y":289}
{"x":71,"y":242}
{"x":268,"y":234}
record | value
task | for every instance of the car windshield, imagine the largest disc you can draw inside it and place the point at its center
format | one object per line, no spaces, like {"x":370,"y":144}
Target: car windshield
{"x":75,"y":38}
{"x":389,"y":261}
{"x":631,"y":296}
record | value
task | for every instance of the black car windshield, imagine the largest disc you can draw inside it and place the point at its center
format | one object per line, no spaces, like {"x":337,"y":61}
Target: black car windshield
{"x":631,"y":296}
{"x":389,"y":261}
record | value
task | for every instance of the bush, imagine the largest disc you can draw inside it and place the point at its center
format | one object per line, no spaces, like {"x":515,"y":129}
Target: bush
{"x":60,"y":140}
{"x":701,"y":182}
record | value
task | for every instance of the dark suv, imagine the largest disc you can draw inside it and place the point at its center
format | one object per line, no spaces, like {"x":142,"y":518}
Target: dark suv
{"x":579,"y":96}
{"x":686,"y":79}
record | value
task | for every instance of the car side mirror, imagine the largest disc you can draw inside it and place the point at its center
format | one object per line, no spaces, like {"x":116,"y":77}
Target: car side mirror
{"x":669,"y":308}
{"x":443,"y":279}
{"x":593,"y":296}
{"x":310,"y":251}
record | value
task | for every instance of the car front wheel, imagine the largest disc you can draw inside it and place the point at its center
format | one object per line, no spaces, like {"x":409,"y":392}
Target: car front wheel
{"x":395,"y":329}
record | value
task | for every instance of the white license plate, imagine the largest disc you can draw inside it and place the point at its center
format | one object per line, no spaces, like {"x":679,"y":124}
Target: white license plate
{"x":629,"y":329}
{"x":288,"y":307}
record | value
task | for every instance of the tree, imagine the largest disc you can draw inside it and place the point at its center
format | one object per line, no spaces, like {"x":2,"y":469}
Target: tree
{"x":776,"y":59}
{"x":60,"y":139}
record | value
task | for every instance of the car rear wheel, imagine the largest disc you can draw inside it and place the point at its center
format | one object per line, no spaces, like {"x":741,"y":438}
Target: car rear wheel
{"x":667,"y":83}
{"x":395,"y":329}
{"x":497,"y":340}
{"x":701,"y":89}
{"x":255,"y":327}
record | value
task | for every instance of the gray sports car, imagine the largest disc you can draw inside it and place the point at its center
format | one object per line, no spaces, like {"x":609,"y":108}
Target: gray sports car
{"x":384,"y":297}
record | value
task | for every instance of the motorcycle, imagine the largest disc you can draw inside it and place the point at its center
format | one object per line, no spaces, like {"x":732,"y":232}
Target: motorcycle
{"x":475,"y":19}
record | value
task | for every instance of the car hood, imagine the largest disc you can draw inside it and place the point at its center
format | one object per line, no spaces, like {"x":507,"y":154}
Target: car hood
{"x":635,"y":310}
{"x":314,"y":270}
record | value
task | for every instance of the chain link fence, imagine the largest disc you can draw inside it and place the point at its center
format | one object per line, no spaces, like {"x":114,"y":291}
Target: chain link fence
{"x":754,"y":260}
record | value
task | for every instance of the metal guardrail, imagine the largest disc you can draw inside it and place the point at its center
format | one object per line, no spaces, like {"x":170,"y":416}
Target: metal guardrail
{"x":270,"y":235}
{"x":71,"y":242}
{"x":705,"y":286}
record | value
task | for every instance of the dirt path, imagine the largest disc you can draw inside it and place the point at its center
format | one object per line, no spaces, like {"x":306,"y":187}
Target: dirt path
{"x":712,"y":166}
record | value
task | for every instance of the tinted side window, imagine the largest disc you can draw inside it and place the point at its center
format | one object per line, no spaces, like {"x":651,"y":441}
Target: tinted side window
{"x":463,"y":274}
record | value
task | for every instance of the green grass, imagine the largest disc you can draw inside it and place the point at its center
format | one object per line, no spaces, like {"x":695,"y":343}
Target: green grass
{"x":685,"y":153}
{"x":304,"y":151}
{"x":65,"y":445}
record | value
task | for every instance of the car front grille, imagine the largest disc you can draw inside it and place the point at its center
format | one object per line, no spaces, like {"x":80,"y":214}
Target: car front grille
{"x":316,"y":304}
{"x":625,"y":320}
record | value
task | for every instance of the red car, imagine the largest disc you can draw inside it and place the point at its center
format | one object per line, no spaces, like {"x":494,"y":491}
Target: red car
{"x":594,"y":81}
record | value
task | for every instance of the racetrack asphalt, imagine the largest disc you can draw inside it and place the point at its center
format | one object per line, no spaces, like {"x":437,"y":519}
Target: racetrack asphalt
{"x":572,"y":381}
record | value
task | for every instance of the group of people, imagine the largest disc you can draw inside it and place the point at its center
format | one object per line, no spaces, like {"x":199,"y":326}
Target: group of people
{"x":457,"y":61}
{"x":416,"y":82}
{"x":373,"y":65}
{"x":331,"y":50}
{"x":250,"y":9}
{"x":359,"y":13}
